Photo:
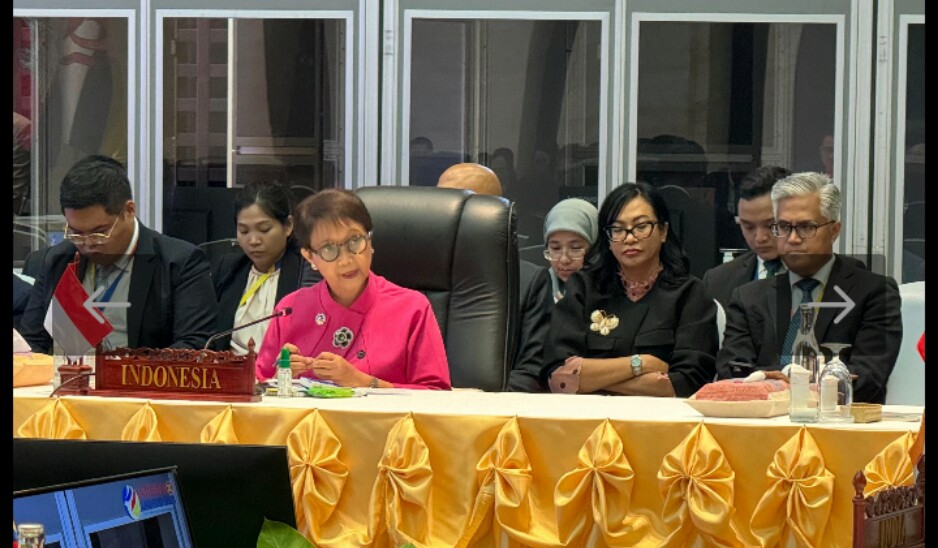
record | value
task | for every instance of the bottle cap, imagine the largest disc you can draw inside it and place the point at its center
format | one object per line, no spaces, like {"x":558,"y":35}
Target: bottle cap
{"x":284,"y":360}
{"x":29,"y":529}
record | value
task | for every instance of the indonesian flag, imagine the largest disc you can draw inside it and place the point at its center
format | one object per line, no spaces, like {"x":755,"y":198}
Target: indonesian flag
{"x":73,"y":326}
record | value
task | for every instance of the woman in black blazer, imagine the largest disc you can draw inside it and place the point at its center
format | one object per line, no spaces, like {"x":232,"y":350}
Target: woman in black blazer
{"x":634,"y":321}
{"x":249,"y":283}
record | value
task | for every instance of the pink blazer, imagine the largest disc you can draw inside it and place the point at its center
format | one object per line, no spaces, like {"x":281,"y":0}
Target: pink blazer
{"x":389,"y":332}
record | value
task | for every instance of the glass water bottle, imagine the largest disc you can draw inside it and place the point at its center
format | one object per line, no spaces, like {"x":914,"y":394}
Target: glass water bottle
{"x":805,"y":349}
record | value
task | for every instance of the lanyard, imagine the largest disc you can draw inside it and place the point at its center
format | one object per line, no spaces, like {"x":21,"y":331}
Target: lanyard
{"x":109,"y":292}
{"x":257,"y":285}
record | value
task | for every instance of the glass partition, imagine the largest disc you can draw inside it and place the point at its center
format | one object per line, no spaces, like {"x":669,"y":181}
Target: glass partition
{"x":913,"y":207}
{"x":519,"y":96}
{"x":69,"y":100}
{"x":248,"y":100}
{"x":719,"y":99}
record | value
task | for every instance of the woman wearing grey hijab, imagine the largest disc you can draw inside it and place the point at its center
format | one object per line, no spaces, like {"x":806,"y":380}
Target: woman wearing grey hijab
{"x":570,"y":229}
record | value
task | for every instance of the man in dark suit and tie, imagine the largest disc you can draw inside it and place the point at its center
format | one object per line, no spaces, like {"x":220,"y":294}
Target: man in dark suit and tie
{"x":762,"y":317}
{"x":165,"y":280}
{"x":755,"y":220}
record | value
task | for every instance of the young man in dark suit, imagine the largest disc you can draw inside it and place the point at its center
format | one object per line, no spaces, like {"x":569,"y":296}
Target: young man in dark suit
{"x":762,"y":314}
{"x":755,"y":221}
{"x":166,"y":281}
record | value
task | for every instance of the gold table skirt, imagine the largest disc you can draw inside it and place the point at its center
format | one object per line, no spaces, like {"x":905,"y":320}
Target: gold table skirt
{"x":477,"y":469}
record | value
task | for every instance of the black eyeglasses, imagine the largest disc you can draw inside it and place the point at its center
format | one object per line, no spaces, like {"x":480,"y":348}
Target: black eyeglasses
{"x":355,"y":245}
{"x":804,"y":230}
{"x":639,"y":231}
{"x":95,"y":238}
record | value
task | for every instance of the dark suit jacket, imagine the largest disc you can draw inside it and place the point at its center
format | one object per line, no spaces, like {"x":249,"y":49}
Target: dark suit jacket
{"x":536,"y":305}
{"x":722,"y":279}
{"x":230,"y":278}
{"x":172,"y":303}
{"x":675,"y":322}
{"x":759,"y":312}
{"x":21,"y":290}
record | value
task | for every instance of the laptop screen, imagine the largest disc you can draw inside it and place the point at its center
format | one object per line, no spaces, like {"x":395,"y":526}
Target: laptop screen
{"x":139,"y":509}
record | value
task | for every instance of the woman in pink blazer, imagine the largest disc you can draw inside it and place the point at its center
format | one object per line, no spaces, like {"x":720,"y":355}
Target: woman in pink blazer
{"x":354,"y":328}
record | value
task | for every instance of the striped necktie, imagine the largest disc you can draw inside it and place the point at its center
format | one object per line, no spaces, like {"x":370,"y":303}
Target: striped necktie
{"x":806,"y":285}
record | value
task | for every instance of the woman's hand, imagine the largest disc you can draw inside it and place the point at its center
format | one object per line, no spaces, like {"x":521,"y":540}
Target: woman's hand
{"x":298,"y":363}
{"x":331,"y":367}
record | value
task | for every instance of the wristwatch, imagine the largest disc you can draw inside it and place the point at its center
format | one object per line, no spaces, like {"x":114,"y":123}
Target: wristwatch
{"x":374,"y":382}
{"x":636,"y":362}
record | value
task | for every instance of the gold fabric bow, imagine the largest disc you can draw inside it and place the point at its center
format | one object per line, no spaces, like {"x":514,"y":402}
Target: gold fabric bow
{"x":603,"y":323}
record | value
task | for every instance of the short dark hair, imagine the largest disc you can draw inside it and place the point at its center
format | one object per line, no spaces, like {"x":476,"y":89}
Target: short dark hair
{"x":673,"y":259}
{"x":331,"y":205}
{"x":96,"y":181}
{"x":759,"y":181}
{"x":273,"y":198}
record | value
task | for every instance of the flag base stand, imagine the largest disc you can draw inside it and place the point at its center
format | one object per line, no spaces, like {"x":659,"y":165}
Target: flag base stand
{"x":74,"y":379}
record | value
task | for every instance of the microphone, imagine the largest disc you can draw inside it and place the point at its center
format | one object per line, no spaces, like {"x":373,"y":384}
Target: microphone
{"x":285,"y":312}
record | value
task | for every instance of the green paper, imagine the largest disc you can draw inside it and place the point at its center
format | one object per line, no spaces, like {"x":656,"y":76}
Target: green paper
{"x":320,"y":391}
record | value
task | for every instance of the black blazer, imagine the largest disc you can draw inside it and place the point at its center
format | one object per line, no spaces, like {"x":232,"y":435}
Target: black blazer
{"x":231,"y":276}
{"x":722,"y":279}
{"x":759,"y":312}
{"x":675,"y":322}
{"x":172,"y":303}
{"x":536,"y":305}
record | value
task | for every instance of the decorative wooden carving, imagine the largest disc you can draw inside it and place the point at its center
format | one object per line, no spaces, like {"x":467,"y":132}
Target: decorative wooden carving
{"x":891,"y":518}
{"x":175,"y":373}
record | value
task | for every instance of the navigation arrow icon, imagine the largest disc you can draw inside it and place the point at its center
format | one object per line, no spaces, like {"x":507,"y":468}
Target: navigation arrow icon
{"x":92,"y":307}
{"x":847,"y":305}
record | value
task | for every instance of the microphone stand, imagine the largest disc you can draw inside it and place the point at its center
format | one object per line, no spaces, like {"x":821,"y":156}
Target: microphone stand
{"x":285,"y":312}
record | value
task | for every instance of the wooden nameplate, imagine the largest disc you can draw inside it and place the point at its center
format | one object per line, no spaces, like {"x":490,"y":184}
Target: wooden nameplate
{"x":175,"y":373}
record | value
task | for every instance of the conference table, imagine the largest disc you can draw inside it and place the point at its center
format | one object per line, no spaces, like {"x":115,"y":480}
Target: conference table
{"x":469,"y":468}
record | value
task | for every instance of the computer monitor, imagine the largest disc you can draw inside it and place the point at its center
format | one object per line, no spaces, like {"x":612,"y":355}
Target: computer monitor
{"x":140,"y":509}
{"x":229,"y":489}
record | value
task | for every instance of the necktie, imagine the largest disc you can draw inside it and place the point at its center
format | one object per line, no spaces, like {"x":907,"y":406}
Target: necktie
{"x":806,"y":285}
{"x":100,"y":277}
{"x":100,"y":281}
{"x":772,"y":267}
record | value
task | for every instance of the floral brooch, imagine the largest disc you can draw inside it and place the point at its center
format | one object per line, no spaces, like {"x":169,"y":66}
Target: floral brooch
{"x":603,"y":323}
{"x":342,"y":338}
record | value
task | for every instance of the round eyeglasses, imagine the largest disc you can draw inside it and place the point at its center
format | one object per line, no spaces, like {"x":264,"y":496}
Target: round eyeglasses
{"x":355,"y":245}
{"x":640,"y":231}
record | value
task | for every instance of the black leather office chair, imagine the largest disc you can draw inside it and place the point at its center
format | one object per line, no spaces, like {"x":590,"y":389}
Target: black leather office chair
{"x":217,"y":249}
{"x":460,"y":250}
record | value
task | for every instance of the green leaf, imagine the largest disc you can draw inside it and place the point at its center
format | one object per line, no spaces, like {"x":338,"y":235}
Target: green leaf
{"x":275,"y":534}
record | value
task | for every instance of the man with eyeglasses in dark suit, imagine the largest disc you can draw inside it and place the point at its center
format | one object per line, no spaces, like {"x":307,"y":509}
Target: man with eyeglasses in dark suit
{"x":761,"y":316}
{"x":165,"y":281}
